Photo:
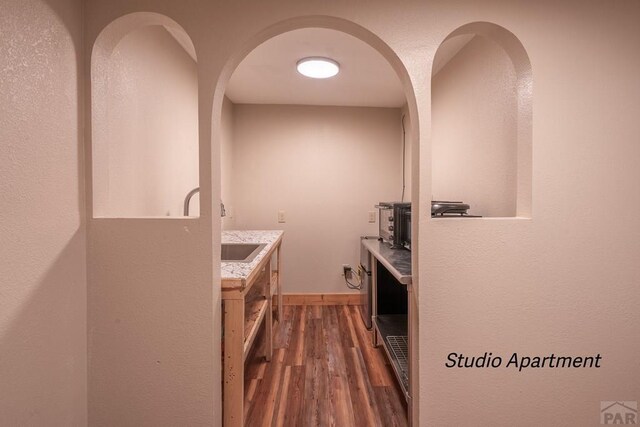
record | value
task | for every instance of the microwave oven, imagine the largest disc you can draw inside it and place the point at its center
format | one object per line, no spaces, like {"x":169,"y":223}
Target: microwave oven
{"x":395,"y":223}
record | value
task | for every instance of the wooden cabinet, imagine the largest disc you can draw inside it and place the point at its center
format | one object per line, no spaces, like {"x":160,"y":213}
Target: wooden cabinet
{"x":247,"y":303}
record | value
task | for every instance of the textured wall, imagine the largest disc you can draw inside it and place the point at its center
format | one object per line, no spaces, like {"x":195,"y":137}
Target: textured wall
{"x":564,"y":281}
{"x":151,"y":325}
{"x":150,"y":317}
{"x":147,"y":156}
{"x":43,"y":369}
{"x":326,"y":167}
{"x":408,"y":148}
{"x":226,"y":164}
{"x":474,"y":133}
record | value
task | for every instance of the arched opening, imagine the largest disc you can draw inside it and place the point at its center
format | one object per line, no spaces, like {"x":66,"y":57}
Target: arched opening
{"x":313,"y":168}
{"x":481,"y":121}
{"x":144,"y":119}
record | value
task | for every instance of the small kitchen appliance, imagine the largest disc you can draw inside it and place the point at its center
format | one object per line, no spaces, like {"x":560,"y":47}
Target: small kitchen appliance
{"x":450,"y":209}
{"x":395,"y":223}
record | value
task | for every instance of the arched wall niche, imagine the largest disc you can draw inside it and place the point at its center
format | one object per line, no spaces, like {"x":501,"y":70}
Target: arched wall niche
{"x":144,"y":118}
{"x":518,"y":115}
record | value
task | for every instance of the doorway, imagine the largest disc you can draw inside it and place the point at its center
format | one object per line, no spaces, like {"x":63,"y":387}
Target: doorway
{"x":313,"y":157}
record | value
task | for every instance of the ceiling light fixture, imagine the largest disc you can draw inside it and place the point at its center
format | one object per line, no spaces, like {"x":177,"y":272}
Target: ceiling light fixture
{"x":317,"y":67}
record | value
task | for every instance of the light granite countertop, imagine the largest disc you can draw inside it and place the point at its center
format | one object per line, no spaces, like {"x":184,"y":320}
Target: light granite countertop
{"x":241,"y":270}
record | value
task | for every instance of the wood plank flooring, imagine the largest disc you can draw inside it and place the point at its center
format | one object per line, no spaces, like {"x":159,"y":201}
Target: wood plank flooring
{"x":324,"y":372}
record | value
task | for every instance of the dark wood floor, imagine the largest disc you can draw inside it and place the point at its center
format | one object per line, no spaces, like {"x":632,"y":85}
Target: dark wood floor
{"x":324,"y":372}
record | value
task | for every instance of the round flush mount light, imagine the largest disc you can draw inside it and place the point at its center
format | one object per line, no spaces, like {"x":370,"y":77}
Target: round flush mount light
{"x":318,"y":67}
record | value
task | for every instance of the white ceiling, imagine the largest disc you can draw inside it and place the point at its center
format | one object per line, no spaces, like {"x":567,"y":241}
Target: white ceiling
{"x":268,"y":74}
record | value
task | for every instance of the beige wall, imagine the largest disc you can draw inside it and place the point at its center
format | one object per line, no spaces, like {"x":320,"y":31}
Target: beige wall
{"x":151,"y":325}
{"x":474,"y":130}
{"x":146,"y":156}
{"x":151,"y":360}
{"x":226,"y":164}
{"x":408,"y":149}
{"x":564,"y":281}
{"x":326,"y":167}
{"x":43,"y":362}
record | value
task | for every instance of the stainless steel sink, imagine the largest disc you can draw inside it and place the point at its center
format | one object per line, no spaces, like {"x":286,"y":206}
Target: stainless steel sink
{"x":240,"y":252}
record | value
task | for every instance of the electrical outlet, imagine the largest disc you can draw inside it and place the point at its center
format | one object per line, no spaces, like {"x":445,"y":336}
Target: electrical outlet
{"x":281,"y":217}
{"x":372,"y":216}
{"x":347,"y":271}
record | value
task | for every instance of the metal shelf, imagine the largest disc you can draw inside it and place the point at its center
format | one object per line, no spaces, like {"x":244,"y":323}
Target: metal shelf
{"x":399,"y":349}
{"x":393,"y":331}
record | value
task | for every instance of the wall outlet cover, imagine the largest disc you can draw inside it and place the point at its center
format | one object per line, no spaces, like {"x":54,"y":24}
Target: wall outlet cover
{"x":347,"y":271}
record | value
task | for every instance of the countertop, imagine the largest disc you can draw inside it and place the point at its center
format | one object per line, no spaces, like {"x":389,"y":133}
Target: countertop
{"x":241,"y":270}
{"x":397,"y":261}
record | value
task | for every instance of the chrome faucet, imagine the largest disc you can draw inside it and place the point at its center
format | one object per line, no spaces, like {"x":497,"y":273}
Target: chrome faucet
{"x":187,"y":201}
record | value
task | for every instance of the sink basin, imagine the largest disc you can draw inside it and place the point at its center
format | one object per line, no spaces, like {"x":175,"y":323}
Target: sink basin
{"x":240,"y":252}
